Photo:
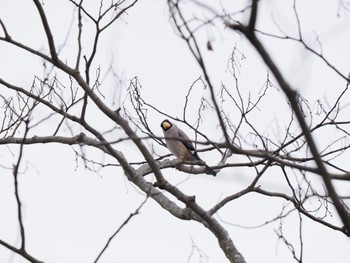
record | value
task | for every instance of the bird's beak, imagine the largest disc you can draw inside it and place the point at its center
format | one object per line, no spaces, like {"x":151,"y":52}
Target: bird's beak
{"x":166,"y":125}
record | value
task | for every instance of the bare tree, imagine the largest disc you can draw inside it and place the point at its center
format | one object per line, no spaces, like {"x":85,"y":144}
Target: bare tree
{"x":70,"y":88}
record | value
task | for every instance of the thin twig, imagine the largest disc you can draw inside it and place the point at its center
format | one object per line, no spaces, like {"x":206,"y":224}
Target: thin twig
{"x":126,"y":221}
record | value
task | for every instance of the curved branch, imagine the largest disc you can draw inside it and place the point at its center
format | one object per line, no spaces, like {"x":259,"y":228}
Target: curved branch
{"x":18,"y":200}
{"x":47,"y":30}
{"x":126,"y":221}
{"x":292,"y":97}
{"x":299,"y":207}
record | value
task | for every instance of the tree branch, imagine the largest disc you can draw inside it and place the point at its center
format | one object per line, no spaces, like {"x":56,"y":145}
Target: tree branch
{"x":292,"y":97}
{"x":126,"y":221}
{"x":47,"y":30}
{"x":18,"y":200}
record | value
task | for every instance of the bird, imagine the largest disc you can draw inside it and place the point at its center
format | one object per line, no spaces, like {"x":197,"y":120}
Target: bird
{"x":180,"y":144}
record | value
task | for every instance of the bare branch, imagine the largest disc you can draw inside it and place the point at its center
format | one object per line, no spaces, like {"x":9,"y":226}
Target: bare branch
{"x":19,"y":204}
{"x":47,"y":29}
{"x":20,"y":252}
{"x":126,"y":221}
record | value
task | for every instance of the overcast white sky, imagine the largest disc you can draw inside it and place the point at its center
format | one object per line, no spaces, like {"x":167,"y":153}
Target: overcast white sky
{"x":70,"y":212}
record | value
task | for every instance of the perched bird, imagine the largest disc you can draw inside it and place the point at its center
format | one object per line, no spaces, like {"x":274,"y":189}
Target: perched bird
{"x":180,"y":144}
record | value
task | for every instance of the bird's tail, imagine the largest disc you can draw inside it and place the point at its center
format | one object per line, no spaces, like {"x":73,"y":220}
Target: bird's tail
{"x":195,"y":157}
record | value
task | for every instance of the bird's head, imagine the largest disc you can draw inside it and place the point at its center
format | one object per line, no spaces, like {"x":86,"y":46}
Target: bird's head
{"x":166,"y":125}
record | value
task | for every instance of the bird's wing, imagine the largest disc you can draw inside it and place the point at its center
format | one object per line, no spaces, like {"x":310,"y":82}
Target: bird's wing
{"x":185,"y":140}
